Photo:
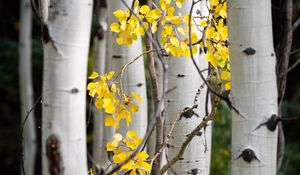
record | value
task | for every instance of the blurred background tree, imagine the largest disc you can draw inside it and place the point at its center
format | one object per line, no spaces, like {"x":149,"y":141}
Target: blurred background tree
{"x":10,"y":136}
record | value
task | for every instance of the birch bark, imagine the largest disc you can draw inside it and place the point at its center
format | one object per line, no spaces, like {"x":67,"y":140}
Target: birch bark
{"x":99,"y":149}
{"x":183,"y":75}
{"x":254,"y":90}
{"x":66,"y":35}
{"x":26,"y":89}
{"x":134,"y":77}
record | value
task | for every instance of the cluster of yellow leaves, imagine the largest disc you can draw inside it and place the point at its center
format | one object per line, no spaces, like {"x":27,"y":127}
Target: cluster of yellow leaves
{"x":173,"y":35}
{"x":116,"y":104}
{"x":174,"y":31}
{"x":216,"y":40}
{"x":119,"y":106}
{"x":123,"y":149}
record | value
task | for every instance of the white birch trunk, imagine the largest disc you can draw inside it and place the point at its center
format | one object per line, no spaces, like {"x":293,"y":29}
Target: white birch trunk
{"x":26,"y":89}
{"x":254,"y":90}
{"x":134,"y":77}
{"x":99,"y":149}
{"x":64,"y":86}
{"x":183,"y":75}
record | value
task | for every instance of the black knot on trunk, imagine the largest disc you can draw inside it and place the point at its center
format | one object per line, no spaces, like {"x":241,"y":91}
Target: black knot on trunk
{"x":248,"y":155}
{"x":272,"y":122}
{"x":249,"y":51}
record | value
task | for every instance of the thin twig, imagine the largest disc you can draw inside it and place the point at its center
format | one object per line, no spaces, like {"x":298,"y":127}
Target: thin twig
{"x":191,"y":136}
{"x":294,"y":65}
{"x":22,"y":130}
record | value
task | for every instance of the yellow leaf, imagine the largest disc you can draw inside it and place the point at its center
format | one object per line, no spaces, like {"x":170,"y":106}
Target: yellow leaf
{"x":91,"y":86}
{"x":144,"y":9}
{"x":168,"y":29}
{"x":134,"y":108}
{"x":118,"y":137}
{"x":120,"y":14}
{"x":225,"y":75}
{"x":110,"y":146}
{"x":99,"y":104}
{"x":119,"y":158}
{"x":142,"y":155}
{"x":174,"y":41}
{"x":154,"y":27}
{"x":110,"y":75}
{"x":110,"y":121}
{"x":181,"y":30}
{"x":227,"y":86}
{"x":214,"y":2}
{"x":115,"y":27}
{"x":120,"y":40}
{"x":156,"y":13}
{"x":131,"y":134}
{"x":203,"y":22}
{"x":94,"y":75}
{"x":210,"y":33}
{"x":132,"y":173}
{"x":211,"y":58}
{"x":137,"y":97}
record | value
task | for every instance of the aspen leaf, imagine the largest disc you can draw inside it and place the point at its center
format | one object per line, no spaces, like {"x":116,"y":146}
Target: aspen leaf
{"x":110,"y":121}
{"x":136,"y":96}
{"x":131,"y":134}
{"x":227,"y":86}
{"x":225,"y":75}
{"x":118,"y":137}
{"x":94,"y":75}
{"x":144,"y":9}
{"x":115,"y":27}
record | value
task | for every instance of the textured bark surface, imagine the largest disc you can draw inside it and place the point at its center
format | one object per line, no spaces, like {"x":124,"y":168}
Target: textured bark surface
{"x":253,"y":87}
{"x":134,"y":76}
{"x":64,"y":82}
{"x":183,"y":75}
{"x":283,"y":55}
{"x":26,"y":89}
{"x":100,"y":40}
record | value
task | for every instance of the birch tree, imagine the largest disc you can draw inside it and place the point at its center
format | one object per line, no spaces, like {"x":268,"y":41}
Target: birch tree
{"x":100,"y":41}
{"x":26,"y":89}
{"x":253,"y":92}
{"x":134,"y":77}
{"x":66,"y":33}
{"x":183,"y":76}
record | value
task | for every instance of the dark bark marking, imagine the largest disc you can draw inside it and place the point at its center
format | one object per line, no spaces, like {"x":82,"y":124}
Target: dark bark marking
{"x":188,"y":112}
{"x":45,"y":34}
{"x":271,"y":123}
{"x":74,"y":91}
{"x":117,"y":56}
{"x":139,"y":84}
{"x":53,"y":154}
{"x":249,"y":51}
{"x":248,"y":155}
{"x":100,"y":32}
{"x":54,"y":9}
{"x":180,"y":75}
{"x":193,"y":171}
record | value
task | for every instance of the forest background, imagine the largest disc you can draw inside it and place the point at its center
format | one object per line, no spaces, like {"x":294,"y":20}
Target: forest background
{"x":10,"y":119}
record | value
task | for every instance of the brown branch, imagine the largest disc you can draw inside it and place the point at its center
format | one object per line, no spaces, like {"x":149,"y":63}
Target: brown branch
{"x":190,"y":137}
{"x":283,"y":53}
{"x":159,"y":138}
{"x":157,"y":112}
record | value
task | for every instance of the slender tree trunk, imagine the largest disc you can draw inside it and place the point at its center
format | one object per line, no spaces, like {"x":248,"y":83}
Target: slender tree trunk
{"x":26,"y":89}
{"x":134,"y":77}
{"x":254,"y":90}
{"x":66,"y":35}
{"x":184,"y":78}
{"x":99,"y":149}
